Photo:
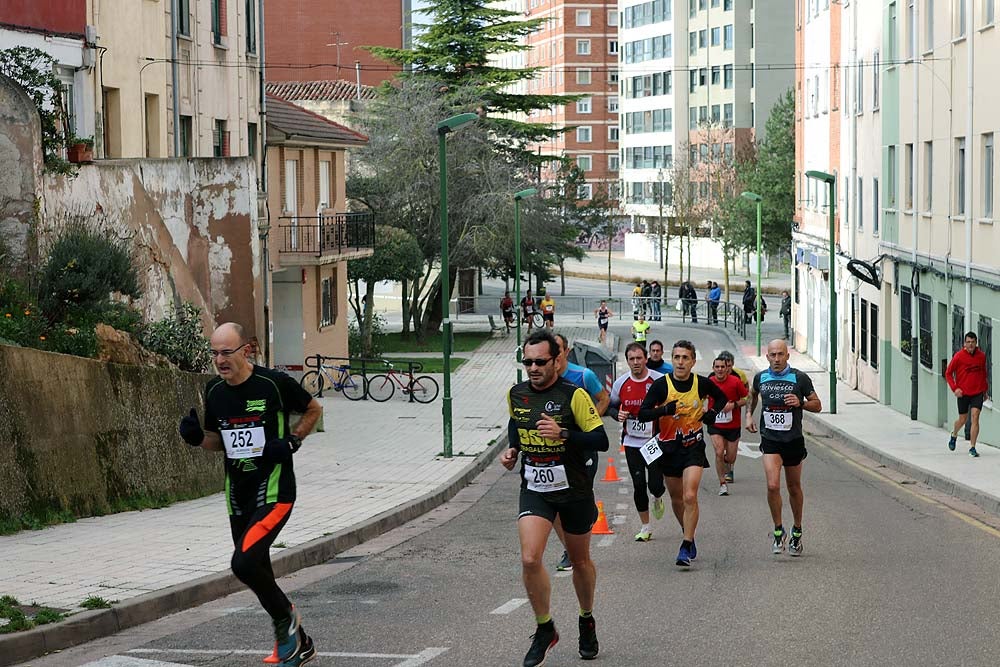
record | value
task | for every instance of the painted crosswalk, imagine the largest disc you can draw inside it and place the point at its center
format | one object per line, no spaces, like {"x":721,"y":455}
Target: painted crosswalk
{"x":423,"y":657}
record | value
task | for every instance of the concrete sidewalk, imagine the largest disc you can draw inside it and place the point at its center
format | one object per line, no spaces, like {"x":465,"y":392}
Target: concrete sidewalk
{"x":891,"y":438}
{"x":376,"y":466}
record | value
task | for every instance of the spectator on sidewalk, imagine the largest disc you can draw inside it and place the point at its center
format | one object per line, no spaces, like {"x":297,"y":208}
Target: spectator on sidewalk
{"x":647,"y":296}
{"x":656,"y":294}
{"x":636,"y":300}
{"x":689,"y":297}
{"x":713,"y":298}
{"x":749,"y":297}
{"x":786,"y":311}
{"x":966,"y":375}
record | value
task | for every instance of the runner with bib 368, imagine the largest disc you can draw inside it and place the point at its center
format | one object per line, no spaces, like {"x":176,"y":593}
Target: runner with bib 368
{"x":784,"y":393}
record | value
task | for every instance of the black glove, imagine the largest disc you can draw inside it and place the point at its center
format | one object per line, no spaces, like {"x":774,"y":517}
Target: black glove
{"x":708,"y":418}
{"x":671,"y":408}
{"x":190,"y":429}
{"x":280,"y":450}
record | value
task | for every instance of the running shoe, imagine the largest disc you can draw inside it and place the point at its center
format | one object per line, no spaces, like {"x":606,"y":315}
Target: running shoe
{"x":723,"y":490}
{"x":795,"y":544}
{"x":286,"y":637}
{"x":684,"y":555}
{"x":588,"y":638}
{"x":658,"y":508}
{"x":729,"y":477}
{"x":694,"y":550}
{"x":778,"y":545}
{"x":643,"y":536}
{"x":973,"y":453}
{"x":307,"y":651}
{"x":951,"y":443}
{"x":564,"y":563}
{"x":544,"y":639}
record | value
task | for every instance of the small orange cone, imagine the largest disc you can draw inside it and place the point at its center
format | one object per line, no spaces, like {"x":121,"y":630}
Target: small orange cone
{"x":601,"y":526}
{"x":611,"y":474}
{"x":621,"y":450}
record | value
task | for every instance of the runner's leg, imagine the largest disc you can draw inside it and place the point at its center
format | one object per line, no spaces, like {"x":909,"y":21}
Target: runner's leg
{"x":690,"y":481}
{"x":974,"y":435}
{"x":793,"y":478}
{"x":251,"y":562}
{"x":732,"y":447}
{"x":772,"y":473}
{"x":584,"y":572}
{"x":719,"y":442}
{"x":675,"y":487}
{"x":637,"y":470}
{"x":533,"y":532}
{"x":959,"y":423}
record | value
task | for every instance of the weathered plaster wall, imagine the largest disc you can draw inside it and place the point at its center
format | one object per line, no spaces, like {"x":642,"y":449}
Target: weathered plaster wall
{"x":114,"y":439}
{"x":20,"y":168}
{"x":191,"y":224}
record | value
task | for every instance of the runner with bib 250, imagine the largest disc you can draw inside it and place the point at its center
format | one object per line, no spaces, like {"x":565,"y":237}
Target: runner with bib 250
{"x":641,"y":451}
{"x":555,"y":428}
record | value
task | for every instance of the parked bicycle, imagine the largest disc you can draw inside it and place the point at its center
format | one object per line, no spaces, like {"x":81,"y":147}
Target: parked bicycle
{"x":422,"y":389}
{"x":339,"y":377}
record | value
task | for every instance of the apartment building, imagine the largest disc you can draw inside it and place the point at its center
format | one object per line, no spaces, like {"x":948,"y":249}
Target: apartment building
{"x":577,"y":51}
{"x":694,"y":80}
{"x":940,"y":275}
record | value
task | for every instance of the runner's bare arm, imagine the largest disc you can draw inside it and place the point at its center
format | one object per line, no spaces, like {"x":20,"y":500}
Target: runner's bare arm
{"x":312,"y":414}
{"x":812,"y":403}
{"x":751,"y":405}
{"x":212,"y":442}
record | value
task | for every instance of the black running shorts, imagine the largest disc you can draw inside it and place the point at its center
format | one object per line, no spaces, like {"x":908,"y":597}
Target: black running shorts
{"x":730,"y":434}
{"x":966,"y":402}
{"x":792,"y":452}
{"x":676,"y":458}
{"x":577,"y":516}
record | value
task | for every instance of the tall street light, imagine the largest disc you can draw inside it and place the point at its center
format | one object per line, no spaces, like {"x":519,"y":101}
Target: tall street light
{"x":518,"y":196}
{"x":443,"y":128}
{"x":831,"y":183}
{"x":754,"y":197}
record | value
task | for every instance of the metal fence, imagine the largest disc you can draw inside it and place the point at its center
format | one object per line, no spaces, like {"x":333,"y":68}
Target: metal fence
{"x":625,"y":309}
{"x":326,"y":234}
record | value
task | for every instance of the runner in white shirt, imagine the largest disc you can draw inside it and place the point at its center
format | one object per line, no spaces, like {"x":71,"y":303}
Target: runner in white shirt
{"x":627,"y":395}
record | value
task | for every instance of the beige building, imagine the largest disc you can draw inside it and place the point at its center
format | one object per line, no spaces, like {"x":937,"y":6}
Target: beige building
{"x":216,"y":73}
{"x":311,"y":235}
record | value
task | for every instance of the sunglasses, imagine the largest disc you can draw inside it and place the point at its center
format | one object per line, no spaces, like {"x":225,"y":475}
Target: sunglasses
{"x":225,"y":354}
{"x":536,"y":362}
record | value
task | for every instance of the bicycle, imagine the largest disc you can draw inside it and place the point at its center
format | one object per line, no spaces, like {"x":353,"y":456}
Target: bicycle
{"x":352,"y":385}
{"x":422,"y":389}
{"x":534,"y":319}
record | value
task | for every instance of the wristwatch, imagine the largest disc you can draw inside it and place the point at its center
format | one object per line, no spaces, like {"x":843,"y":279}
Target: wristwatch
{"x":564,"y":434}
{"x":294,"y":442}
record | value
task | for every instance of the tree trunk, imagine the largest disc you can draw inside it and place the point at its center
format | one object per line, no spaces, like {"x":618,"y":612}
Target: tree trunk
{"x":725,"y":271}
{"x":680,"y":275}
{"x":689,"y":255}
{"x":479,"y":281}
{"x":433,"y":315}
{"x":562,"y":277}
{"x":405,"y":335}
{"x":666,"y":258}
{"x":610,"y":234}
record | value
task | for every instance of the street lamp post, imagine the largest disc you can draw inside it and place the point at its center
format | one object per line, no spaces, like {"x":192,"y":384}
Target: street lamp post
{"x":443,"y":129}
{"x":518,"y":196}
{"x":756,"y":198}
{"x":831,"y":183}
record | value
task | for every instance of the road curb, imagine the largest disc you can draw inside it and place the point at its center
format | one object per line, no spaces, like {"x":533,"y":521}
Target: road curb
{"x":90,"y":625}
{"x":936,"y":481}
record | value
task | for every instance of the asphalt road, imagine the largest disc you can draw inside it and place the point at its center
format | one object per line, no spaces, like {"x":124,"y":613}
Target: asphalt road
{"x":890,"y":576}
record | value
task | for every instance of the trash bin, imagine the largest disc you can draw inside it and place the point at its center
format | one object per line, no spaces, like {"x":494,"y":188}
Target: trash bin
{"x":597,"y":358}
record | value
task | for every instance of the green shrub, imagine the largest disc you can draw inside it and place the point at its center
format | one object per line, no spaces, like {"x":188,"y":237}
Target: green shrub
{"x":180,"y":338}
{"x":83,"y":269}
{"x":354,"y":343}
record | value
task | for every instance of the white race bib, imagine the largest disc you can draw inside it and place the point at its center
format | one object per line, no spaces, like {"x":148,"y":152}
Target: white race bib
{"x":778,"y":421}
{"x":547,"y":479}
{"x":243,"y":443}
{"x":724,"y":417}
{"x":651,"y":450}
{"x":637,"y":428}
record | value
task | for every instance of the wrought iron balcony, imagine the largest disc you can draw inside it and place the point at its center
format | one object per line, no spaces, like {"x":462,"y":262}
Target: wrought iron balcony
{"x":314,"y":240}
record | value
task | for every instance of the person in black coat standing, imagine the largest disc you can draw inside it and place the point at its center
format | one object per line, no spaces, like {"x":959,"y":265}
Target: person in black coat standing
{"x":690,"y":298}
{"x":749,"y":299}
{"x":656,"y":294}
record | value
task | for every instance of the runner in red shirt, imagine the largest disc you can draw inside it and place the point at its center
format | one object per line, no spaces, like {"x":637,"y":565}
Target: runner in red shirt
{"x":725,"y":431}
{"x":966,"y":375}
{"x":627,"y":394}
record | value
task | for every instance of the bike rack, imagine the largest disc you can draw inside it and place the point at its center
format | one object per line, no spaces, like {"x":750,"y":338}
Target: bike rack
{"x":315,"y":361}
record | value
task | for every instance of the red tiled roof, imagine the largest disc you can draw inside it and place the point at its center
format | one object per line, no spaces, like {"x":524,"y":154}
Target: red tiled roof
{"x":295,"y":121}
{"x":318,"y":90}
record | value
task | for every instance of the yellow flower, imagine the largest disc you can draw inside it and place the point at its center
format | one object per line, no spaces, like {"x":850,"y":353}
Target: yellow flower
{"x":27,"y":312}
{"x":8,"y":314}
{"x":41,"y":338}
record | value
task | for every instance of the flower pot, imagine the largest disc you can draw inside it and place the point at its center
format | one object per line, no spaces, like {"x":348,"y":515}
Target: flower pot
{"x":80,"y":152}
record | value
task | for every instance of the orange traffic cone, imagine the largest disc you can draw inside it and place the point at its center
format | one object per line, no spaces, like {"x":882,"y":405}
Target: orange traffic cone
{"x":601,"y":526}
{"x":611,"y":474}
{"x":621,"y":450}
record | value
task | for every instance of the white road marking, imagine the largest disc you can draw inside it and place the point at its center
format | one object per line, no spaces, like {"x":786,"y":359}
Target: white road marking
{"x":618,"y":519}
{"x":621,"y":506}
{"x":606,"y":541}
{"x":749,"y":451}
{"x":510,"y":606}
{"x":409,"y":659}
{"x":623,"y":491}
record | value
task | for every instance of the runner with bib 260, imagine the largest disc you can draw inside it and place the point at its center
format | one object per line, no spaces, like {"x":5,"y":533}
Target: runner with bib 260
{"x":784,"y":393}
{"x":555,"y":428}
{"x":246,"y":415}
{"x":725,"y":432}
{"x":641,"y":451}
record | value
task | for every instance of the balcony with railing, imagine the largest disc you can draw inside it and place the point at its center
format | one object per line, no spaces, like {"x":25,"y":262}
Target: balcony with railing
{"x":324,"y":239}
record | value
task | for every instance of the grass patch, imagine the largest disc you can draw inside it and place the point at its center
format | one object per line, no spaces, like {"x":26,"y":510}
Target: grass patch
{"x":35,"y":520}
{"x":431,"y":365}
{"x":279,"y":545}
{"x":465,"y":341}
{"x":47,"y":615}
{"x":97,"y":602}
